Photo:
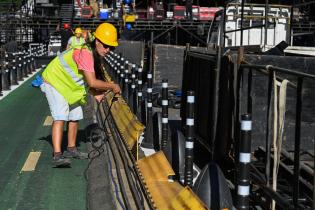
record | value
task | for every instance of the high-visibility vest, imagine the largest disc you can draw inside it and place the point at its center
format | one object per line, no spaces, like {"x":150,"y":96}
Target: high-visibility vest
{"x":63,"y":74}
{"x":75,"y":43}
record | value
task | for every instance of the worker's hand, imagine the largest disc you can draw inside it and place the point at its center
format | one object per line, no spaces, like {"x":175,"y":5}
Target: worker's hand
{"x":116,"y":89}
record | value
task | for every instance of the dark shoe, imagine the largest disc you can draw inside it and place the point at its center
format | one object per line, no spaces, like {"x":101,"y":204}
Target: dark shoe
{"x":75,"y":154}
{"x":61,"y":161}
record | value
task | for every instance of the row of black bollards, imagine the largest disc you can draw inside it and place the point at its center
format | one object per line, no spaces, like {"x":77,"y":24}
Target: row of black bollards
{"x":18,"y":65}
{"x":130,"y":76}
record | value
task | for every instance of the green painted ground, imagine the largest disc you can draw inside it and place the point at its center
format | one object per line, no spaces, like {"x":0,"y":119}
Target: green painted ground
{"x":22,"y":115}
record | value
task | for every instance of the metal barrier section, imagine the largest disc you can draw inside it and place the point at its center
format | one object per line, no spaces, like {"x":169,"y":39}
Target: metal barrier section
{"x":127,"y":123}
{"x":155,"y":172}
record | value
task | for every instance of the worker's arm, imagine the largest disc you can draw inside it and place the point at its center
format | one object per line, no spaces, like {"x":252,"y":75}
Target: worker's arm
{"x":92,"y":82}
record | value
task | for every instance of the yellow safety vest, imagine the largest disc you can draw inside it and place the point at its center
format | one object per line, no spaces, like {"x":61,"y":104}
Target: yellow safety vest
{"x":74,"y":42}
{"x":63,"y":74}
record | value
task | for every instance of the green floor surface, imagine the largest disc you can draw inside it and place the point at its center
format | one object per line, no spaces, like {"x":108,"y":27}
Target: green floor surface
{"x":22,"y":114}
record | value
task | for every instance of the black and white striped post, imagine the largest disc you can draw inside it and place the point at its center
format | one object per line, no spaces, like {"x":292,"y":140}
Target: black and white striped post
{"x":116,"y":67}
{"x":189,"y":145}
{"x":33,"y":62}
{"x":8,"y":70}
{"x":149,"y":96}
{"x":14,"y":71}
{"x":121,"y":78}
{"x":11,"y":73}
{"x":118,"y":72}
{"x":243,"y":182}
{"x":5,"y":78}
{"x":132,"y":95}
{"x":164,"y":114}
{"x":126,"y":85}
{"x":148,"y":138}
{"x":28,"y":62}
{"x":139,"y":87}
{"x":20,"y":68}
{"x":24,"y":65}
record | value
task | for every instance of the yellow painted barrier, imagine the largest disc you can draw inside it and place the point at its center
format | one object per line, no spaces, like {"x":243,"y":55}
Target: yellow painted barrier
{"x":155,"y":171}
{"x":127,"y":123}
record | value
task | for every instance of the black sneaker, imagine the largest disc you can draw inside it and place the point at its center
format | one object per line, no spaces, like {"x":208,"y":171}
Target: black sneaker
{"x":61,"y":161}
{"x":75,"y":154}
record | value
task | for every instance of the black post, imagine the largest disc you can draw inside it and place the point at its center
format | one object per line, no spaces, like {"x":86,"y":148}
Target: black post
{"x":33,"y":62}
{"x":132,"y":94}
{"x":4,"y":79}
{"x":139,"y":94}
{"x":297,"y":144}
{"x":118,"y":72}
{"x":24,"y":66}
{"x":149,"y":96}
{"x":164,"y":114}
{"x":29,"y":67}
{"x":20,"y":69}
{"x":189,"y":146}
{"x":148,"y":139}
{"x":116,"y":68}
{"x":126,"y":89}
{"x":121,"y":80}
{"x":14,"y":71}
{"x":243,"y":183}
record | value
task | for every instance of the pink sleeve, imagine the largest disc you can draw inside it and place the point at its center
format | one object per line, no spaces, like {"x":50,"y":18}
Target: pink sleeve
{"x":84,"y":60}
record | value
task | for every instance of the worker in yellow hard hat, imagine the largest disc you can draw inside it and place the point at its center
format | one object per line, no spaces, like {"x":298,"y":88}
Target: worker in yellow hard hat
{"x":66,"y":79}
{"x":77,"y":39}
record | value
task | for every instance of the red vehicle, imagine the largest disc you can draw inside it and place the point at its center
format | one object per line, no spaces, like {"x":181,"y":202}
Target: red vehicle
{"x":179,"y":12}
{"x":207,"y":13}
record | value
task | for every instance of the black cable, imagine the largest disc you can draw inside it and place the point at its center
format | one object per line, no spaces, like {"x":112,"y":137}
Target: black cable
{"x":119,"y":145}
{"x":94,"y":134}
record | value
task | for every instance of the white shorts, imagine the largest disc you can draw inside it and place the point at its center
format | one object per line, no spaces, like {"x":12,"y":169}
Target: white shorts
{"x":59,"y":107}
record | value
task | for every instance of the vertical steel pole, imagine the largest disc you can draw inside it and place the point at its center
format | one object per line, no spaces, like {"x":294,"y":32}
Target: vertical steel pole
{"x":243,"y":183}
{"x":297,"y":144}
{"x":242,"y":18}
{"x":266,"y":22}
{"x":164,"y":114}
{"x":189,"y":146}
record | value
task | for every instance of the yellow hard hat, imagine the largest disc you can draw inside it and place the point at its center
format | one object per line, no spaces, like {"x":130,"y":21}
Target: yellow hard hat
{"x":107,"y":34}
{"x":78,"y":31}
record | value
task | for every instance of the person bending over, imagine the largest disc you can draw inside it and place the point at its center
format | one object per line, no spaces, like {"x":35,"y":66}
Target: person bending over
{"x":66,"y":79}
